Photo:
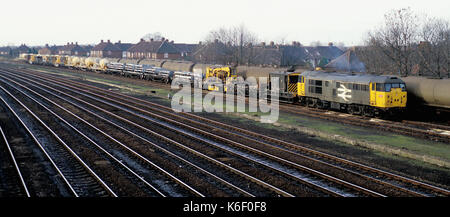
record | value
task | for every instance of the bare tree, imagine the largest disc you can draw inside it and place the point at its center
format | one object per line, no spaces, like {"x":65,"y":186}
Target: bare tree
{"x":397,"y":38}
{"x":238,"y":40}
{"x":434,"y":48}
{"x":157,"y":36}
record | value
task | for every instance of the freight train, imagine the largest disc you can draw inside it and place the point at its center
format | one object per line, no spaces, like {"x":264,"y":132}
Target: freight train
{"x":140,"y":69}
{"x":368,"y":95}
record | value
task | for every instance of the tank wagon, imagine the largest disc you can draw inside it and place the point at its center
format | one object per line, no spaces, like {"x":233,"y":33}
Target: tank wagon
{"x":428,"y":92}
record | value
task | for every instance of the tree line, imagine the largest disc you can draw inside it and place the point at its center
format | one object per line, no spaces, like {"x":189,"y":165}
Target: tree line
{"x":406,"y":44}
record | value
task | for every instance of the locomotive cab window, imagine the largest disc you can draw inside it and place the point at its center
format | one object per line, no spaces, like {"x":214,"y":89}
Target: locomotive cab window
{"x":388,"y":87}
{"x":293,"y":79}
{"x":403,"y":87}
{"x":380,"y":87}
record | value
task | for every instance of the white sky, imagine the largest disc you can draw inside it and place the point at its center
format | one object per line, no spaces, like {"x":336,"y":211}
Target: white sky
{"x":36,"y":22}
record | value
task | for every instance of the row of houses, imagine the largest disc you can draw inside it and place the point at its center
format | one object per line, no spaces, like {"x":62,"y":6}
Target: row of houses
{"x":16,"y":51}
{"x":213,"y":53}
{"x":161,"y":49}
{"x":267,"y":54}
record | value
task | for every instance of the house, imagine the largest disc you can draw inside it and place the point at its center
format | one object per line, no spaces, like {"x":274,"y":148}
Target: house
{"x":153,"y":50}
{"x":123,"y":47}
{"x":22,"y":49}
{"x":4,"y":51}
{"x":106,"y":49}
{"x":47,"y":50}
{"x":281,"y":55}
{"x":186,"y":50}
{"x":73,"y":50}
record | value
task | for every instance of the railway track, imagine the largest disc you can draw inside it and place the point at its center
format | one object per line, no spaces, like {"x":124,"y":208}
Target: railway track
{"x":361,"y":172}
{"x":113,"y":177}
{"x":73,"y":177}
{"x":430,"y":131}
{"x":279,"y":191}
{"x":11,"y":186}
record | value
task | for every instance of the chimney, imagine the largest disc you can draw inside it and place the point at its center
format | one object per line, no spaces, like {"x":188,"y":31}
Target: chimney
{"x":294,"y":43}
{"x":330,"y":44}
{"x":263,"y":44}
{"x":142,"y":39}
{"x":199,"y":43}
{"x":101,"y":41}
{"x":118,"y":42}
{"x":46,"y":45}
{"x":68,"y":43}
{"x":109,"y":41}
{"x":163,"y":39}
{"x":76,"y":43}
{"x":272,"y":43}
{"x":151,"y":39}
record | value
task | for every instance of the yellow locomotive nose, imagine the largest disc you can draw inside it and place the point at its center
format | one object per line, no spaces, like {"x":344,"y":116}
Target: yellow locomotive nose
{"x":397,"y":98}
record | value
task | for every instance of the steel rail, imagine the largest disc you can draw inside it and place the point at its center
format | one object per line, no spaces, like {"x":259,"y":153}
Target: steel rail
{"x":40,"y":147}
{"x":97,"y":178}
{"x":102,"y":132}
{"x":90,"y":140}
{"x":305,"y":169}
{"x":24,"y":185}
{"x":112,"y":123}
{"x":321,"y":154}
{"x":267,"y":138}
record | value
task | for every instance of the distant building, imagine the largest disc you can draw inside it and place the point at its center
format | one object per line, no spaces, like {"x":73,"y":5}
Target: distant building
{"x":123,"y":47}
{"x":4,"y":51}
{"x":22,"y":49}
{"x":186,"y":50}
{"x":47,"y":50}
{"x":280,"y":55}
{"x":153,"y":50}
{"x":73,"y":50}
{"x":106,"y":49}
{"x":87,"y":49}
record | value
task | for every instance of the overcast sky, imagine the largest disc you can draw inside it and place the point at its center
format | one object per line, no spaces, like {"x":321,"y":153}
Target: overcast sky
{"x":38,"y":22}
